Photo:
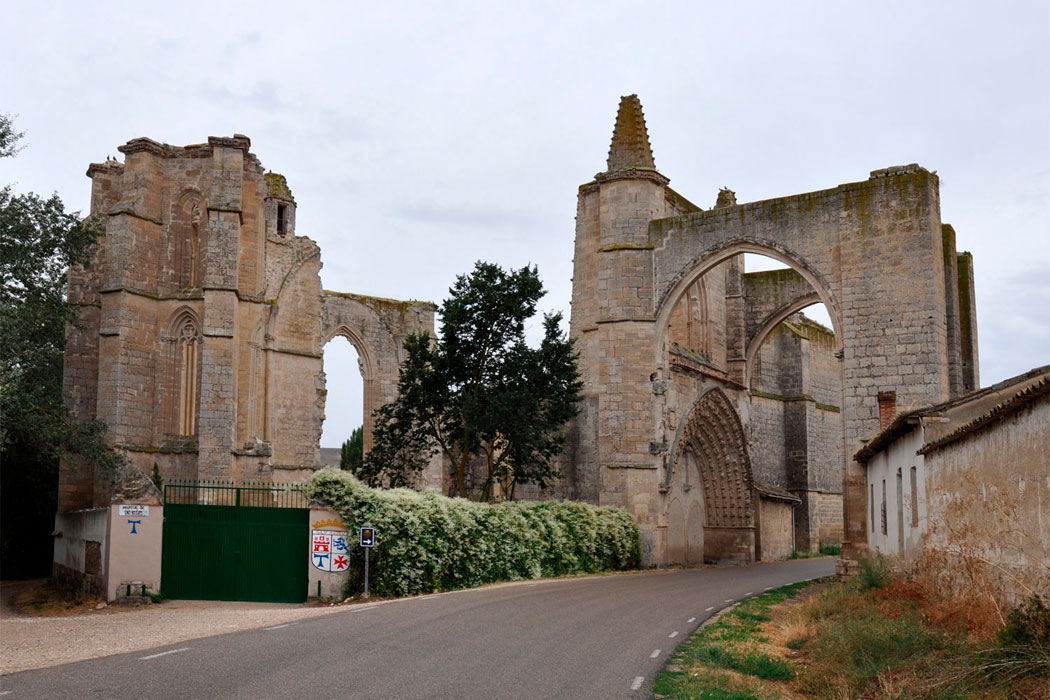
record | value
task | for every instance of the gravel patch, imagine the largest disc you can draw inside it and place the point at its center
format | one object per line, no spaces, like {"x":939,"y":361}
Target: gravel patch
{"x":37,"y":642}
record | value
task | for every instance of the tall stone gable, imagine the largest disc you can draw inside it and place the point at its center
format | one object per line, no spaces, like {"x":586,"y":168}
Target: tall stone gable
{"x":663,"y":314}
{"x":202,"y":322}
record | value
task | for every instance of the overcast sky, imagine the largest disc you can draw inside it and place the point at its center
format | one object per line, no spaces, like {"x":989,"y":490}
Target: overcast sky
{"x":420,"y":137}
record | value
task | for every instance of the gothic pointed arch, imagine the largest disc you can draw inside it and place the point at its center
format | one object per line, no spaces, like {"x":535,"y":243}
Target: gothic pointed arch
{"x":713,"y":437}
{"x":184,"y":337}
{"x":185,"y":229}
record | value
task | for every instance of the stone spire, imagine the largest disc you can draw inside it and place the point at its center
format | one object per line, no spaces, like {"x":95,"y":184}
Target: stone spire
{"x":630,"y":142}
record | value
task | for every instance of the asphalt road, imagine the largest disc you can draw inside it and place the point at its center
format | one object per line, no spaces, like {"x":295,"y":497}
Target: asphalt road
{"x":598,"y":637}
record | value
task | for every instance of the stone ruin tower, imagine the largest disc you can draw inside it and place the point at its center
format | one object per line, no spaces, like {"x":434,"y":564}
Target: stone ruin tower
{"x":713,"y":411}
{"x":204,"y":322}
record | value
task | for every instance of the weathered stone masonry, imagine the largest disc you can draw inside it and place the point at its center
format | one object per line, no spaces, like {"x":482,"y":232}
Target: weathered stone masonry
{"x":203,"y":321}
{"x":874,"y":252}
{"x":713,"y":411}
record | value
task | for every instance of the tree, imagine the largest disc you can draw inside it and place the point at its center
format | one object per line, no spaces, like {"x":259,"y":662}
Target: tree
{"x":352,"y":452}
{"x":494,"y":407}
{"x":38,"y":243}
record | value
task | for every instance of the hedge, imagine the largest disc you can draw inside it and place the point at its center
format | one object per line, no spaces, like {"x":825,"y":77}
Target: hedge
{"x":427,"y":542}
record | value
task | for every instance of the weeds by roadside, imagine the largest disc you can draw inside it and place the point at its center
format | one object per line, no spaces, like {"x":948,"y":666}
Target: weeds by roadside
{"x":879,"y":635}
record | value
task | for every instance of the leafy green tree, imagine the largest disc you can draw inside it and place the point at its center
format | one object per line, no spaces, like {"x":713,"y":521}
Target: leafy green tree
{"x":39,"y":241}
{"x":352,"y":452}
{"x":494,"y":407}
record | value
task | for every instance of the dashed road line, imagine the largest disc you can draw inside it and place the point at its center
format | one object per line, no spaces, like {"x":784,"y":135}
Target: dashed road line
{"x":709,"y":609}
{"x":656,"y":652}
{"x":749,"y":593}
{"x":6,"y":692}
{"x":637,"y":682}
{"x":277,"y":627}
{"x":728,"y":600}
{"x":673,"y":635}
{"x":768,"y":588}
{"x":692,"y":619}
{"x":163,"y":653}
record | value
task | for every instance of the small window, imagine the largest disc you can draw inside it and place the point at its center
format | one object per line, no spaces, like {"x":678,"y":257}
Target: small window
{"x":914,"y":498}
{"x":884,"y":507}
{"x":871,"y":502}
{"x":281,"y":219}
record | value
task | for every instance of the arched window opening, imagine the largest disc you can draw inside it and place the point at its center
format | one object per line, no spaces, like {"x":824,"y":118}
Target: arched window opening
{"x":187,"y":354}
{"x":344,"y":398}
{"x":187,"y":233}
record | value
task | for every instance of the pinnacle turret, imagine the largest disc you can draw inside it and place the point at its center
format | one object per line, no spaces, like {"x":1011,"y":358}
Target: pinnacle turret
{"x":630,"y":142}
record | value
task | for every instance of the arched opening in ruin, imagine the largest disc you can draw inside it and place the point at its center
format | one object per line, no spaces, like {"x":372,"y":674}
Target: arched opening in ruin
{"x":345,"y":375}
{"x":760,"y":326}
{"x":710,"y":487}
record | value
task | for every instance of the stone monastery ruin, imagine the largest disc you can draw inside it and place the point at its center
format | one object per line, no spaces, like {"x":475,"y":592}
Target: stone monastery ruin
{"x":714,"y":411}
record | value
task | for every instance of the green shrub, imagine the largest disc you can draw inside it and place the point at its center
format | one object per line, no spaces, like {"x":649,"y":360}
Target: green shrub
{"x":875,"y":572}
{"x":1029,"y":623}
{"x":426,"y":542}
{"x":831,"y":550}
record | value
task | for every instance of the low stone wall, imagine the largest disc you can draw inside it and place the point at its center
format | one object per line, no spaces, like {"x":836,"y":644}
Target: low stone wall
{"x":81,"y":539}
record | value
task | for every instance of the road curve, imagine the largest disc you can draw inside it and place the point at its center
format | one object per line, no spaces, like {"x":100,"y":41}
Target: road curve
{"x":596,"y":637}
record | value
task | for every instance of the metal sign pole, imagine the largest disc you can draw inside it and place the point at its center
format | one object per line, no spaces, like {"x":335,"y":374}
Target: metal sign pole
{"x":366,"y":571}
{"x":368,"y":540}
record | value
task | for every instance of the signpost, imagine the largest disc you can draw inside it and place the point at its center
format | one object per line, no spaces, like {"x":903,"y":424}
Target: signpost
{"x":368,"y":540}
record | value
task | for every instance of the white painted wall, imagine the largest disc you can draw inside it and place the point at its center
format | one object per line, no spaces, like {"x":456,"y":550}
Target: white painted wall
{"x":898,"y":458}
{"x":134,"y":557}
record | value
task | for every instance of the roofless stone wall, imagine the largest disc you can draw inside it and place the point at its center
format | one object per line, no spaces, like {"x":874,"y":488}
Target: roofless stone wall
{"x":204,"y":321}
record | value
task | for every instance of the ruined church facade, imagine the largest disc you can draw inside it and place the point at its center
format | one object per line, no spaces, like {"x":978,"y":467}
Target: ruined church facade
{"x":203,"y":322}
{"x":711,"y":406}
{"x":715,"y":412}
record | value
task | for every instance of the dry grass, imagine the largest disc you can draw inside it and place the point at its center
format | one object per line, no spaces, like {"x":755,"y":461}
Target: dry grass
{"x":901,"y":640}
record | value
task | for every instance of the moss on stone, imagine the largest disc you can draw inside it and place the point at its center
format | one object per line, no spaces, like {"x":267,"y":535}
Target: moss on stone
{"x":277,"y":187}
{"x":397,"y":305}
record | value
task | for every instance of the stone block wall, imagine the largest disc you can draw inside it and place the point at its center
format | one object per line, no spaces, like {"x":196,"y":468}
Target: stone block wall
{"x":204,"y":320}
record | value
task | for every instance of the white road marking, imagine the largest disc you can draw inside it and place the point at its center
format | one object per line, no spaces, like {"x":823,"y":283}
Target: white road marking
{"x":277,"y":627}
{"x":163,"y":653}
{"x":6,"y":692}
{"x":637,"y":682}
{"x":673,"y":635}
{"x":692,"y":619}
{"x":749,"y":593}
{"x":656,"y":652}
{"x":729,"y":600}
{"x":768,"y":588}
{"x":709,"y":609}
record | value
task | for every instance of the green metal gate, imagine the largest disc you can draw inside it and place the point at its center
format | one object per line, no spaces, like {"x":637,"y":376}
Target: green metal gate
{"x":228,"y":542}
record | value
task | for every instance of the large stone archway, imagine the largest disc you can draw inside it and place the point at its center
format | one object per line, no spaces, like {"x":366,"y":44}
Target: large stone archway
{"x":873,"y":252}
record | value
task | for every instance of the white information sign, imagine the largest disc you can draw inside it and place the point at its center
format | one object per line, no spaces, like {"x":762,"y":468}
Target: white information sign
{"x":133,"y":510}
{"x":330,"y":550}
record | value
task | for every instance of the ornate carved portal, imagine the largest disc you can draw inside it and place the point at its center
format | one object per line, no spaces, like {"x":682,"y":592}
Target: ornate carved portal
{"x":710,"y":513}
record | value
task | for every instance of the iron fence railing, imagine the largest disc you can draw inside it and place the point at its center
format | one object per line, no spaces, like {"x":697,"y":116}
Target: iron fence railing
{"x":231,"y":493}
